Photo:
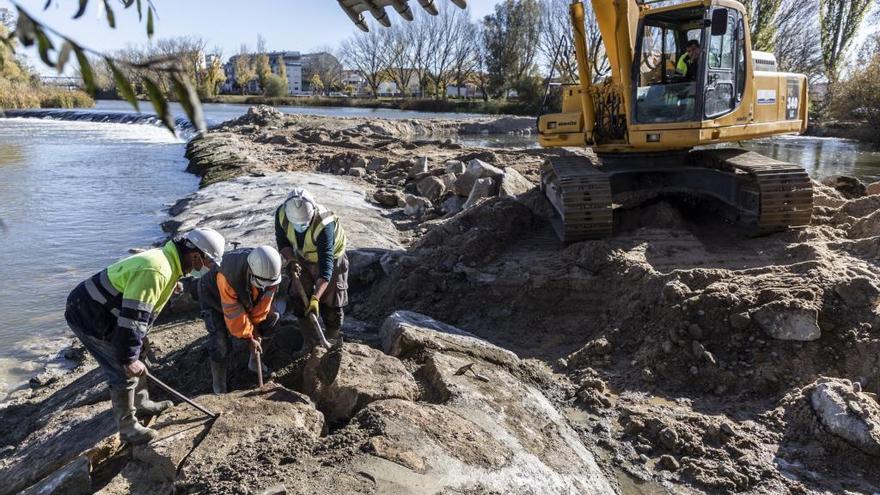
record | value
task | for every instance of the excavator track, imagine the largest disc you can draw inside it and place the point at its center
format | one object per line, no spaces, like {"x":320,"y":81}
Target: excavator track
{"x":581,"y":195}
{"x":765,"y":195}
{"x":785,"y":190}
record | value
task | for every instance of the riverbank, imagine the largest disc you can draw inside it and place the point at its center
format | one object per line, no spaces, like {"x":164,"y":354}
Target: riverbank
{"x":20,"y":95}
{"x":455,"y":105}
{"x":675,"y":357}
{"x":859,"y":131}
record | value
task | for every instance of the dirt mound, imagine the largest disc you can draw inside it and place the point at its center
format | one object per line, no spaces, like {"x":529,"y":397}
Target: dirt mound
{"x":680,"y":309}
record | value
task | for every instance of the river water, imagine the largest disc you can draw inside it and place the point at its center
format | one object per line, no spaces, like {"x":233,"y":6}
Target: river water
{"x":76,"y":195}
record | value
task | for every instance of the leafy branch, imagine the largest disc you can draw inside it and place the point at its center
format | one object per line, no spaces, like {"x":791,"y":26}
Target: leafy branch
{"x":29,"y":32}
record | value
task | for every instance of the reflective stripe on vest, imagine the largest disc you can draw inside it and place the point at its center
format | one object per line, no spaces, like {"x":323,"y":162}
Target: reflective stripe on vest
{"x":309,"y":250}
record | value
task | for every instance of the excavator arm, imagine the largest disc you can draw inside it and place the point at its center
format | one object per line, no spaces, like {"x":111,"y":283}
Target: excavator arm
{"x":356,"y":8}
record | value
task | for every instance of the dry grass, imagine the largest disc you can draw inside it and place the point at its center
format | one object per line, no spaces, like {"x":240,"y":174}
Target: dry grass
{"x":25,"y":95}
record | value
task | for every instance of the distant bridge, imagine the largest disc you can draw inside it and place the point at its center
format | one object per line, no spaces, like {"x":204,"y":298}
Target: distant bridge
{"x":69,"y":83}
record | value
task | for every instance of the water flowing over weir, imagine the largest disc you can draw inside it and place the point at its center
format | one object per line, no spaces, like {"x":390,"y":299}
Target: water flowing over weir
{"x":183,"y":127}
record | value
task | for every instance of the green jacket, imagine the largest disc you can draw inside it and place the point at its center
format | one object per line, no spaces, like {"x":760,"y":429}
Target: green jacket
{"x":135,"y":290}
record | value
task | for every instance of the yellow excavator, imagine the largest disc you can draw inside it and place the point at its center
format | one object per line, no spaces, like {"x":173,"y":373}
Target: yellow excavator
{"x":683,"y":76}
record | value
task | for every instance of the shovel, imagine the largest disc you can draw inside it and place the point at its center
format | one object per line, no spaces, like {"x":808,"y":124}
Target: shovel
{"x":316,"y":324}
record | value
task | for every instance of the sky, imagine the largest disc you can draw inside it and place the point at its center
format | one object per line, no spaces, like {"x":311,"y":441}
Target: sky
{"x":294,"y":25}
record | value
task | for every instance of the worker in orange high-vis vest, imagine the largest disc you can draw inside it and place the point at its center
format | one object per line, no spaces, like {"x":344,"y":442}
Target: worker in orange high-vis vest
{"x":236,"y":302}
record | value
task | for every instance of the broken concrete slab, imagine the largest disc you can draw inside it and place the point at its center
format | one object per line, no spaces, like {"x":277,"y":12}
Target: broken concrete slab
{"x":788,"y":322}
{"x":483,"y":188}
{"x":513,"y":184}
{"x":848,"y":414}
{"x":405,"y":332}
{"x":415,"y":206}
{"x":431,"y":187}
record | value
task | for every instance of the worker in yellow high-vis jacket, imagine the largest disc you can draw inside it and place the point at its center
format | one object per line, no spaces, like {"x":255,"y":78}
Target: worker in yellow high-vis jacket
{"x":112,"y":311}
{"x":311,"y":237}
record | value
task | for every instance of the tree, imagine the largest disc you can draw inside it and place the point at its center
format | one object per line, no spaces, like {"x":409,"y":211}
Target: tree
{"x":365,"y":52}
{"x":797,"y":46}
{"x":244,"y":69}
{"x":762,"y":23}
{"x":839,"y":22}
{"x":316,"y":84}
{"x":282,"y":66}
{"x":556,"y":35}
{"x":275,"y":86}
{"x":858,"y":97}
{"x":326,"y":66}
{"x":446,"y":34}
{"x":214,"y":76}
{"x":511,"y":36}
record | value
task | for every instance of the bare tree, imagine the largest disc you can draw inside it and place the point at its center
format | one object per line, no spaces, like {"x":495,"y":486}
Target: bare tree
{"x":402,"y":51}
{"x":365,"y":52}
{"x":466,"y":58}
{"x":797,"y":46}
{"x":556,"y":35}
{"x":449,"y":26}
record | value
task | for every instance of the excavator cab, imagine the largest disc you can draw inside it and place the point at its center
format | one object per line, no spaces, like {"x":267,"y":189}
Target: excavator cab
{"x":690,"y":65}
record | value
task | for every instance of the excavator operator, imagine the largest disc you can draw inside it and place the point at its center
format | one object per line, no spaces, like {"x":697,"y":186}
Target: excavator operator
{"x":687,"y":63}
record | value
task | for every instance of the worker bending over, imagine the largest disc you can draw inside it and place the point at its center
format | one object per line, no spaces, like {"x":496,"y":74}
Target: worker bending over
{"x":312,"y":241}
{"x":112,"y":311}
{"x":236,"y":301}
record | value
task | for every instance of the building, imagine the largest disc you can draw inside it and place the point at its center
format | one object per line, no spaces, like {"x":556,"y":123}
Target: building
{"x":354,"y":81}
{"x":292,"y":65}
{"x":389,"y":88}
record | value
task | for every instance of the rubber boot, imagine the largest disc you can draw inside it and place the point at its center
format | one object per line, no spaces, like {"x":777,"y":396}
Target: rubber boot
{"x":218,"y":376}
{"x":130,"y":430}
{"x":142,"y":402}
{"x":252,"y":365}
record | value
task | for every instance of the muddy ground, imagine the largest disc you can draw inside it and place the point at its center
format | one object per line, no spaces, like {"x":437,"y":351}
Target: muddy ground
{"x":678,"y":356}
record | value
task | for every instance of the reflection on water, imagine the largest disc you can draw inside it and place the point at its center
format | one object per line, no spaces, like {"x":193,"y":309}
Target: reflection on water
{"x":823,"y":157}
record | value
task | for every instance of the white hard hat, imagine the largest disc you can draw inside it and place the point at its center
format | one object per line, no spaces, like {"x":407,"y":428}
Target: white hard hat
{"x":265,"y":264}
{"x":300,"y":206}
{"x":209,"y":242}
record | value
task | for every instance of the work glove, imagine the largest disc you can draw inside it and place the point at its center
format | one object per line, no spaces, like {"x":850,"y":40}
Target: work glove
{"x":313,"y":307}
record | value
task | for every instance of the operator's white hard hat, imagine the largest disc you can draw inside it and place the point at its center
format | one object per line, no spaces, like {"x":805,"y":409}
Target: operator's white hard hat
{"x":300,"y":206}
{"x":209,"y":242}
{"x":265,"y":265}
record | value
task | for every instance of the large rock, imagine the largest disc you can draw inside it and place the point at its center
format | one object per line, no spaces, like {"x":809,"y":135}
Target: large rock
{"x":415,"y":205}
{"x":390,"y":198}
{"x":513,"y":184}
{"x":431,"y":187}
{"x":483,"y":188}
{"x":407,"y":332}
{"x":485,"y":430}
{"x":243,"y":209}
{"x":419,"y":168}
{"x":480,"y":169}
{"x":788,"y":322}
{"x":452,"y":205}
{"x":455,"y":167}
{"x":343,"y":382}
{"x":858,"y":292}
{"x":873,"y":188}
{"x":72,"y":479}
{"x":848,"y":413}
